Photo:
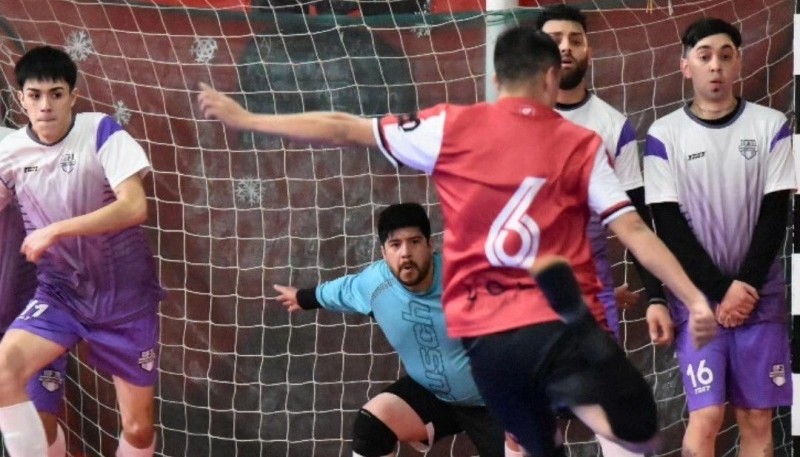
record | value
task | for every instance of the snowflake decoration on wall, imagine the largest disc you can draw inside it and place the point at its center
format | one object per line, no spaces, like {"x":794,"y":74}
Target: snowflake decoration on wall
{"x":204,"y":49}
{"x":79,"y":45}
{"x":122,"y":114}
{"x":422,"y":30}
{"x":7,"y":54}
{"x":249,"y":191}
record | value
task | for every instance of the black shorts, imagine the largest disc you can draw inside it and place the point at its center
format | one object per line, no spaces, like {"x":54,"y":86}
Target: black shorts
{"x":448,"y":419}
{"x":528,"y":375}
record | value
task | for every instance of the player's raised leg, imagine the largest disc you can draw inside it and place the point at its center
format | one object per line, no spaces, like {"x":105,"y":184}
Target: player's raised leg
{"x":556,"y":280}
{"x":613,"y":400}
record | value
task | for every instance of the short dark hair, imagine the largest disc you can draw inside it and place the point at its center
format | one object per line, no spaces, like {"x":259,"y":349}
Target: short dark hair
{"x":523,"y":53}
{"x":46,"y":63}
{"x":561,"y":12}
{"x":403,"y":215}
{"x":708,"y":26}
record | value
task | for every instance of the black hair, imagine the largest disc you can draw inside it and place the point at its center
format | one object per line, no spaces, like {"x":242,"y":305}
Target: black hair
{"x":706,"y":27}
{"x":403,"y":215}
{"x":524,"y":53}
{"x":561,"y":12}
{"x":46,"y":63}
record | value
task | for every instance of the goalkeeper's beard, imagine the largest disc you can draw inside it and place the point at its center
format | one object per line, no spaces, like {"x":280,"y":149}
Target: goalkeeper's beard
{"x":418,"y":273}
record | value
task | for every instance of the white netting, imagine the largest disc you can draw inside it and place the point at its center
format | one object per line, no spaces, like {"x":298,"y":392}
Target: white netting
{"x":231,"y":215}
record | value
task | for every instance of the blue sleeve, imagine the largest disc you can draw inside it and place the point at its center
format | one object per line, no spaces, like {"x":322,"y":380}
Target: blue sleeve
{"x":351,"y":293}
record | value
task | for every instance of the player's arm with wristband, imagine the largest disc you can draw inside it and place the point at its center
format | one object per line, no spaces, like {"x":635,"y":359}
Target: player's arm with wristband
{"x":347,"y":294}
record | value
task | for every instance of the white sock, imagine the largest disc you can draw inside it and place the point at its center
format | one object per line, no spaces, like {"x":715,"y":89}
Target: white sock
{"x":355,"y":454}
{"x":612,"y":449}
{"x":59,"y":446}
{"x":126,"y":449}
{"x":512,"y":453}
{"x":23,"y":431}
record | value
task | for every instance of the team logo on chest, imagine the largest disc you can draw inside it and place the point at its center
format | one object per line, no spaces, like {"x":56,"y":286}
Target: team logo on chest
{"x":67,"y":162}
{"x":748,"y":148}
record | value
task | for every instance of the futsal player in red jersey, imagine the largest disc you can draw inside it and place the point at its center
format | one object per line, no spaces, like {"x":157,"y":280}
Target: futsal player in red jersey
{"x":517,"y":182}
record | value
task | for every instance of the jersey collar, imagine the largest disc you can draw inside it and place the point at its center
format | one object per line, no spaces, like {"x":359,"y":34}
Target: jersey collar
{"x":33,"y":136}
{"x":524,"y":106}
{"x":572,"y":106}
{"x":722,"y":122}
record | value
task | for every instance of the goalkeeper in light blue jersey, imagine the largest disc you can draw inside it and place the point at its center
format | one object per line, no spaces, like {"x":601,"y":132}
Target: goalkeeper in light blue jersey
{"x":437,"y":397}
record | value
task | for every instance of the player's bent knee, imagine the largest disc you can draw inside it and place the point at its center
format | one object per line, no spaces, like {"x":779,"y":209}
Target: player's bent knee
{"x":634,"y":425}
{"x":708,"y":419}
{"x":628,"y":402}
{"x":634,"y":420}
{"x":139,"y":433}
{"x":371,"y":437}
{"x":754,"y":422}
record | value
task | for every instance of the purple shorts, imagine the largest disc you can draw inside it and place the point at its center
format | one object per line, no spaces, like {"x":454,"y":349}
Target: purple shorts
{"x":748,"y":366}
{"x":128,"y":350}
{"x":46,"y":388}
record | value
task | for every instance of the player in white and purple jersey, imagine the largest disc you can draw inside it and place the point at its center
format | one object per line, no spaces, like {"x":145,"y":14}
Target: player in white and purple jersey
{"x":567,"y":26}
{"x":78,"y":181}
{"x":17,"y":286}
{"x":719,"y":175}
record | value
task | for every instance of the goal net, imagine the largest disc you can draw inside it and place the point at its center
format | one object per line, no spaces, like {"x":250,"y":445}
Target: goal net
{"x":232,"y":214}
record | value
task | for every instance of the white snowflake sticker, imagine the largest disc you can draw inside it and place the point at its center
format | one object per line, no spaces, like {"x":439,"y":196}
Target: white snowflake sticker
{"x":79,"y":45}
{"x":248,"y":191}
{"x":122,"y":114}
{"x":422,"y":30}
{"x":204,"y":49}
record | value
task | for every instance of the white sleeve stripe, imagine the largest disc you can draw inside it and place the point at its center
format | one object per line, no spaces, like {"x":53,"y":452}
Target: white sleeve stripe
{"x":605,"y":192}
{"x":607,"y":219}
{"x":382,"y":145}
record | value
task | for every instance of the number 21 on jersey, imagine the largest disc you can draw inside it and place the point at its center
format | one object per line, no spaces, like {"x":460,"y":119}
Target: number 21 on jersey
{"x":514,"y":219}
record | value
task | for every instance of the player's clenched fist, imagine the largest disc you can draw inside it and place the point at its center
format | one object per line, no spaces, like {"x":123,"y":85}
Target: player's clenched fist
{"x":37,"y":242}
{"x":702,"y":325}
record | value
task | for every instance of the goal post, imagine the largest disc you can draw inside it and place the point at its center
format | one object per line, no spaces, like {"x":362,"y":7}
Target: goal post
{"x":795,"y":276}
